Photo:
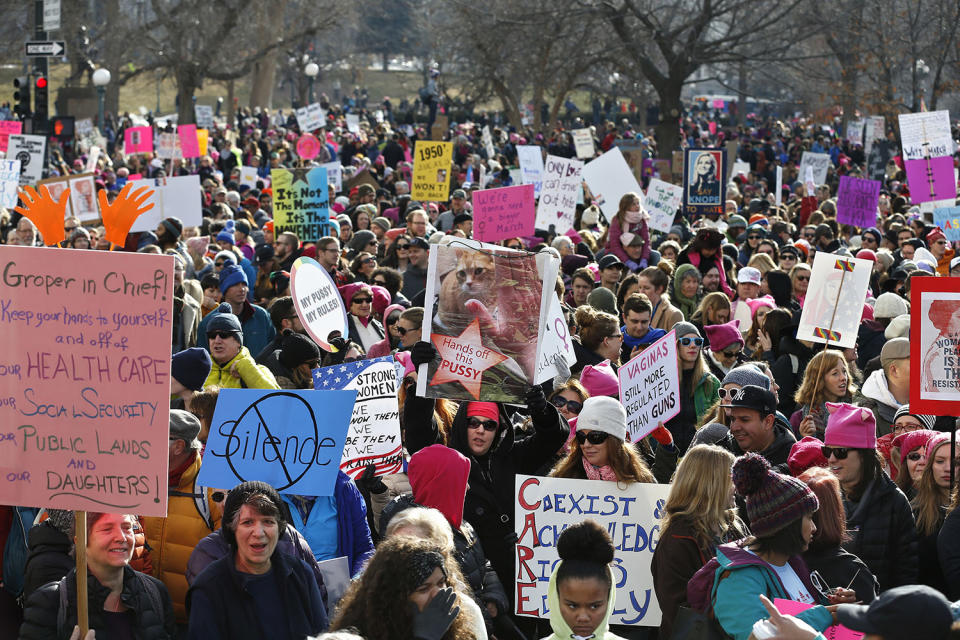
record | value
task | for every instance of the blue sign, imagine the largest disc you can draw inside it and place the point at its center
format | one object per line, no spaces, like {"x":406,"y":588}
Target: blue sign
{"x":948,"y":219}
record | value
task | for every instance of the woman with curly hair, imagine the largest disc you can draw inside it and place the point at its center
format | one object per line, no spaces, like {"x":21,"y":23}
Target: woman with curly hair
{"x":826,"y":379}
{"x":404,"y":593}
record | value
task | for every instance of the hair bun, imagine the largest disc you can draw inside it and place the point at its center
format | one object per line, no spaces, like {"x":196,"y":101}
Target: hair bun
{"x":586,"y":541}
{"x":749,"y":472}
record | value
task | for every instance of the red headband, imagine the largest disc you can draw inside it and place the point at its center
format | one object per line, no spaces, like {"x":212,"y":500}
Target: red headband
{"x":484,"y":410}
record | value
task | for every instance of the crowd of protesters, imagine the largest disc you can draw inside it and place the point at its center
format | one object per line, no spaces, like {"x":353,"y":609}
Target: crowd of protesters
{"x":796,"y":471}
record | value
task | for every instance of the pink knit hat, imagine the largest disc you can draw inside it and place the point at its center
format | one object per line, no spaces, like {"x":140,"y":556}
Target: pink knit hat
{"x":722,"y":336}
{"x":756,"y":303}
{"x":934,"y":443}
{"x":805,"y":453}
{"x":600,"y":380}
{"x":850,"y":426}
{"x":911,"y":440}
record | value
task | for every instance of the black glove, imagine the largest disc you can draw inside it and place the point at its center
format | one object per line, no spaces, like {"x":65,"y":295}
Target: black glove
{"x":536,"y":401}
{"x":339,"y":343}
{"x":369,"y":483}
{"x":432,"y":623}
{"x":421,"y":353}
{"x":336,"y":357}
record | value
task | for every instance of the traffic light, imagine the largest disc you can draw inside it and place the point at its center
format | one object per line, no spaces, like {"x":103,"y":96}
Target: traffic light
{"x":63,"y":127}
{"x":40,"y":99}
{"x":21,"y":97}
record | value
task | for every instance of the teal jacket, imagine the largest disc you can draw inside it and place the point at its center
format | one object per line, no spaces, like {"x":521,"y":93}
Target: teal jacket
{"x":736,"y":601}
{"x":705,"y":393}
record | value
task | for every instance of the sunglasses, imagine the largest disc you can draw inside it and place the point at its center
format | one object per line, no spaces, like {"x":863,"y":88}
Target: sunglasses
{"x":731,"y":354}
{"x":803,"y":278}
{"x":572,"y":405}
{"x":914,"y":457}
{"x":369,"y":261}
{"x":753,"y":237}
{"x":362,"y":300}
{"x":218,"y":264}
{"x":686,"y":342}
{"x":403,"y":330}
{"x":380,"y":283}
{"x":724,"y":392}
{"x":223,"y":335}
{"x":487,"y":425}
{"x":401,"y":247}
{"x":840,"y":453}
{"x":594,"y":437}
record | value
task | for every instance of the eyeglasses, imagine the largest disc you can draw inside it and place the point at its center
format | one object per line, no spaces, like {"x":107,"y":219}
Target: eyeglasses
{"x":904,"y":427}
{"x":223,"y":335}
{"x":572,"y":405}
{"x":362,"y":300}
{"x":369,"y":261}
{"x":616,"y":336}
{"x":69,"y":229}
{"x":372,"y":243}
{"x":914,"y":456}
{"x":476,"y":423}
{"x":840,"y":453}
{"x":594,"y":437}
{"x":803,"y":278}
{"x":686,"y":342}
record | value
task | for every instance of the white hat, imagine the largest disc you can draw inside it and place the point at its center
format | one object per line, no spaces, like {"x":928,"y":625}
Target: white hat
{"x":603,"y":413}
{"x":749,"y":274}
{"x":889,"y":305}
{"x":899,"y":327}
{"x":591,"y":216}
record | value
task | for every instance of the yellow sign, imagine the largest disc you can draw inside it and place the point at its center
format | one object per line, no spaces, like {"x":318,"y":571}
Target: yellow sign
{"x":432,"y":163}
{"x":203,"y":136}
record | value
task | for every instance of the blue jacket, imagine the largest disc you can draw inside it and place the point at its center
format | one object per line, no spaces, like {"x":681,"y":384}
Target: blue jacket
{"x":736,"y":596}
{"x":15,"y":552}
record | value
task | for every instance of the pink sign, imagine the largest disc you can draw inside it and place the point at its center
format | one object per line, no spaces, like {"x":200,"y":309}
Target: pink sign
{"x":308,"y":147}
{"x":926,"y":175}
{"x":134,"y":176}
{"x":85,"y":379}
{"x":836,"y":632}
{"x":8,"y":127}
{"x":718,"y":103}
{"x":138,"y":140}
{"x":189,"y":144}
{"x":508,"y":212}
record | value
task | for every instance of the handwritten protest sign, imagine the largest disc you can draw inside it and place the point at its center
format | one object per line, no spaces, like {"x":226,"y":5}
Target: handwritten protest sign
{"x":925,"y":134}
{"x":650,"y":387}
{"x":301,"y":202}
{"x":857,"y":201}
{"x":8,"y":127}
{"x":29,"y":150}
{"x":833,"y":305}
{"x":874,"y":129}
{"x":583,"y":143}
{"x":83,"y":200}
{"x":555,"y":343}
{"x":374,"y":433}
{"x":249,"y":176}
{"x":290,"y":439}
{"x":741,"y":168}
{"x":85,"y":379}
{"x":819,"y":162}
{"x":487,"y":141}
{"x":317,"y":301}
{"x":704,"y":188}
{"x":948,"y":219}
{"x":353,"y":123}
{"x":503,"y":213}
{"x":334,"y":174}
{"x":833,"y":632}
{"x":311,"y":117}
{"x":9,"y":183}
{"x":531,"y":166}
{"x":877,"y":159}
{"x":138,"y":140}
{"x":558,"y":196}
{"x":485,"y":349}
{"x":189,"y":145}
{"x":855,"y":131}
{"x":609,"y":178}
{"x":431,"y":170}
{"x":178,"y":196}
{"x":662,"y":203}
{"x":204,"y":116}
{"x":629,"y":512}
{"x":168,"y":146}
{"x":935,"y":345}
{"x":931,"y":179}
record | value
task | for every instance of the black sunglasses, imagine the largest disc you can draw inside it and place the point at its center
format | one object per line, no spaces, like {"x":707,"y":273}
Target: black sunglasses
{"x":731,"y":354}
{"x":754,"y":237}
{"x":840,"y":453}
{"x":572,"y":405}
{"x":488,"y":425}
{"x":380,"y":283}
{"x":803,"y":278}
{"x":362,"y":300}
{"x":403,"y":330}
{"x":914,"y":456}
{"x":594,"y":437}
{"x":223,"y":335}
{"x":401,"y":247}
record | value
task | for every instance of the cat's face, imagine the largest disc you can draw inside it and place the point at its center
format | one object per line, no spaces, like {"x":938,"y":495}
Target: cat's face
{"x":475,"y":273}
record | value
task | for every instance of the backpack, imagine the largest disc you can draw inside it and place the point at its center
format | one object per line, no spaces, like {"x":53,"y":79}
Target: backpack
{"x":153,"y":592}
{"x":698,"y":621}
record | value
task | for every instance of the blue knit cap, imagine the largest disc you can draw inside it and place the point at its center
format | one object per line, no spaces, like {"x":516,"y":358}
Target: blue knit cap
{"x":230,"y":275}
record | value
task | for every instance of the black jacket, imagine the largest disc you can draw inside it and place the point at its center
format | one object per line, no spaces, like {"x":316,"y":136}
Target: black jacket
{"x":40,"y":616}
{"x":788,"y":371}
{"x":48,"y":557}
{"x":838,"y":567}
{"x":883,"y":533}
{"x":948,"y":547}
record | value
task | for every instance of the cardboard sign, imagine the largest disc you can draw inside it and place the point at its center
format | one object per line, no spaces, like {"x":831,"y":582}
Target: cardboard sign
{"x":291,"y":439}
{"x":633,"y":152}
{"x":334,"y":174}
{"x":9,"y":183}
{"x":778,"y":194}
{"x":650,"y":387}
{"x":353,"y":123}
{"x":301,"y":202}
{"x":249,"y":176}
{"x":488,"y":142}
{"x":83,"y":127}
{"x":311,"y":117}
{"x":877,"y":159}
{"x":86,"y":379}
{"x":203,"y":137}
{"x":629,"y":512}
{"x":189,"y":145}
{"x":138,"y":140}
{"x":857,"y":201}
{"x":704,"y":187}
{"x":925,"y":135}
{"x":874,"y":129}
{"x":172,"y":197}
{"x":662,"y":202}
{"x":558,"y":196}
{"x":833,"y":632}
{"x":818,"y":162}
{"x":374,"y":433}
{"x":308,"y":146}
{"x":741,"y":168}
{"x":855,"y":131}
{"x":503,"y":213}
{"x":948,"y":219}
{"x":835,"y":282}
{"x":583,"y":143}
{"x":609,"y":178}
{"x":29,"y":150}
{"x":931,"y":179}
{"x":204,"y":116}
{"x":168,"y":146}
{"x":935,"y":345}
{"x":317,"y":301}
{"x":555,"y":343}
{"x":531,"y":166}
{"x":83,"y":198}
{"x":485,"y":349}
{"x":8,"y":128}
{"x":431,"y":170}
{"x":730,"y":146}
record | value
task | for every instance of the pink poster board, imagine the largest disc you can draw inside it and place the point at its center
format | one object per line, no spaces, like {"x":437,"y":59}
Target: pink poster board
{"x":8,"y":127}
{"x":138,"y":140}
{"x":85,"y":379}
{"x":189,"y":145}
{"x":508,"y":212}
{"x":836,"y":632}
{"x":924,"y":173}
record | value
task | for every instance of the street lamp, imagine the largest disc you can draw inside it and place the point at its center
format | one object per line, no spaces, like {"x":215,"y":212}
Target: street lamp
{"x":101,"y":78}
{"x":312,"y":69}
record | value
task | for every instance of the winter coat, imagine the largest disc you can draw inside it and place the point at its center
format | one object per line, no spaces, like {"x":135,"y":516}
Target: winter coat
{"x":665,"y":315}
{"x":258,"y":329}
{"x":875,"y":395}
{"x":883,"y":533}
{"x":221,"y":607}
{"x":49,"y":558}
{"x":788,"y":368}
{"x":354,"y":331}
{"x":15,"y":549}
{"x":948,"y":548}
{"x":870,"y":341}
{"x":153,"y":614}
{"x":252,"y":375}
{"x":677,"y":557}
{"x":837,"y":567}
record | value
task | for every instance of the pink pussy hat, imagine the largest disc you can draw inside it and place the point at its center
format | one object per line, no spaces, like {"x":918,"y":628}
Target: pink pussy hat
{"x":850,"y":426}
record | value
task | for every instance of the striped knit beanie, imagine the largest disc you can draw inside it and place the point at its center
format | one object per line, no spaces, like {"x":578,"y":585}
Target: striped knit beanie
{"x":773,"y":500}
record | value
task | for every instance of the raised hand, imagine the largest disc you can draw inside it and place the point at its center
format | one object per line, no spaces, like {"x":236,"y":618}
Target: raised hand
{"x":126,"y":208}
{"x":46,"y":213}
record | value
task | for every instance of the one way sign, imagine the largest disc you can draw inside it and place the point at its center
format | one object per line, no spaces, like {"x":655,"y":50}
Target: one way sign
{"x":45,"y":48}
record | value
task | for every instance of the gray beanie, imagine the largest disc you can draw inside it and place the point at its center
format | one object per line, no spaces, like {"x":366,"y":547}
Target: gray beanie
{"x":685,"y":329}
{"x":747,"y":374}
{"x":602,"y":299}
{"x":710,"y":433}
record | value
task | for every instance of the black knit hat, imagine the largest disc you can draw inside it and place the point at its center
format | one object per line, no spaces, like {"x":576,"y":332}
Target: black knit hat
{"x":191,"y":367}
{"x":173,"y":226}
{"x":238,"y":496}
{"x":296,"y":348}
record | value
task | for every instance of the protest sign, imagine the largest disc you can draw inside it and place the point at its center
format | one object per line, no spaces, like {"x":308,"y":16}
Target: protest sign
{"x":503,"y":213}
{"x":203,"y":137}
{"x":833,"y":632}
{"x":85,"y":382}
{"x":558,"y":196}
{"x":8,"y":127}
{"x":935,"y":345}
{"x":431,"y":170}
{"x":138,"y":140}
{"x":249,"y":176}
{"x":632,"y":151}
{"x":301,"y":202}
{"x":308,"y":146}
{"x":730,"y":146}
{"x":204,"y":116}
{"x":311,"y":117}
{"x":189,"y":145}
{"x":877,"y":159}
{"x":172,"y":197}
{"x":353,"y":123}
{"x":609,"y":178}
{"x":948,"y":219}
{"x":779,"y":192}
{"x":855,"y":131}
{"x":650,"y":387}
{"x":857,"y":201}
{"x":9,"y":183}
{"x":334,"y":174}
{"x":488,"y":142}
{"x":833,"y":305}
{"x":168,"y":146}
{"x":629,"y":512}
{"x":374,"y":433}
{"x":662,"y":202}
{"x":704,"y":187}
{"x":741,"y":168}
{"x":554,"y":343}
{"x":531,"y":166}
{"x":336,"y":580}
{"x":83,"y":127}
{"x":29,"y":150}
{"x":819,"y":162}
{"x":931,"y":178}
{"x":925,"y":135}
{"x":583,"y":143}
{"x":874,"y":129}
{"x":317,"y":301}
{"x":485,"y":349}
{"x":290,"y":439}
{"x":92,"y":157}
{"x":83,"y":198}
